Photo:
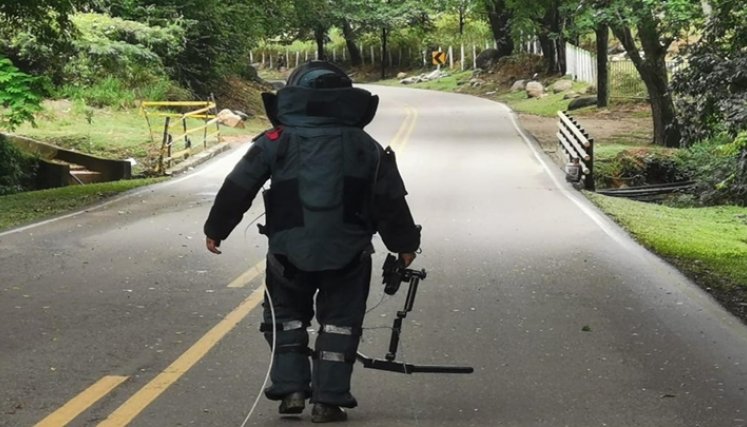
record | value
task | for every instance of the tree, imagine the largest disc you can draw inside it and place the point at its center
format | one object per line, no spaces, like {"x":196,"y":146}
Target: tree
{"x":547,"y":20}
{"x":45,"y":17}
{"x":500,"y":18}
{"x":350,"y":42}
{"x":381,"y":17}
{"x":712,"y":90}
{"x":47,"y":20}
{"x":462,"y":9}
{"x":602,"y":32}
{"x":219,"y":34}
{"x":657,"y":25}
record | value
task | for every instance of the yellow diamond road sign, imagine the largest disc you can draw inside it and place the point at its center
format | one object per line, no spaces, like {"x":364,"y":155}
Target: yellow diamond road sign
{"x":439,"y":58}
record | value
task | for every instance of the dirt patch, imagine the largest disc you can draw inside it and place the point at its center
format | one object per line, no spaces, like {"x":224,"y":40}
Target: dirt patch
{"x":603,"y":130}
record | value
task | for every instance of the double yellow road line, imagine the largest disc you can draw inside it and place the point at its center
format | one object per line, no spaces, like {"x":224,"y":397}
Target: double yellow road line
{"x":125,"y":413}
{"x":400,"y":139}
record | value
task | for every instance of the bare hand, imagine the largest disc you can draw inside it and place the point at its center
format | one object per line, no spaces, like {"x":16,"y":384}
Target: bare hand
{"x":212,"y":245}
{"x":407,"y":258}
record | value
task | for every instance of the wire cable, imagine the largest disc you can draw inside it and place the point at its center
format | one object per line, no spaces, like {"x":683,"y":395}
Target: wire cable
{"x":272,"y":359}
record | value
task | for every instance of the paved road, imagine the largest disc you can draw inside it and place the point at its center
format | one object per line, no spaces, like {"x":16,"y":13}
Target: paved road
{"x":118,"y":315}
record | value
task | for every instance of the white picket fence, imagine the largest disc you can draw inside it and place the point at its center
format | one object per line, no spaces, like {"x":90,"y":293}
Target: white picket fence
{"x":581,"y":64}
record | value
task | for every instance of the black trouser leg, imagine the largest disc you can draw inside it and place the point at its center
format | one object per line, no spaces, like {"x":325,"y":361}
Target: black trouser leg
{"x":341,"y":306}
{"x":293,"y":304}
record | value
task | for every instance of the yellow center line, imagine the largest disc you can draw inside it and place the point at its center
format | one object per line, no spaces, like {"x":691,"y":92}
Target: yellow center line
{"x":249,"y":275}
{"x":400,"y":138}
{"x":81,"y":402}
{"x":150,"y":392}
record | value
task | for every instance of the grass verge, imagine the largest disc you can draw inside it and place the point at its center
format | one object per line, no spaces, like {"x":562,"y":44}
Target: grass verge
{"x":547,"y":106}
{"x":113,"y":133}
{"x":24,"y":208}
{"x":707,"y":244}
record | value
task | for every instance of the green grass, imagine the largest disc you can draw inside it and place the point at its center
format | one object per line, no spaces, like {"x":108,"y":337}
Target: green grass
{"x":709,"y":244}
{"x":547,"y":106}
{"x":450,"y":83}
{"x":111,"y":133}
{"x":23,"y":208}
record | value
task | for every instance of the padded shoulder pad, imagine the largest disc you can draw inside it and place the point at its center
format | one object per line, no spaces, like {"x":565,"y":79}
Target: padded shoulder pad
{"x":389,"y":182}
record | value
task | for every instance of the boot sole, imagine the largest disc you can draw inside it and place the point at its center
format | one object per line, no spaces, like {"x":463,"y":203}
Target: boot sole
{"x":292,"y":407}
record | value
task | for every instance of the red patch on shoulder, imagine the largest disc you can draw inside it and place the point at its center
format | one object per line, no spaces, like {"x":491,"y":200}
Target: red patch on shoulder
{"x":274,"y":134}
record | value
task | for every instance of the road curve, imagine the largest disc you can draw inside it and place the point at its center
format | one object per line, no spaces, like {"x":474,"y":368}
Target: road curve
{"x":566,"y":321}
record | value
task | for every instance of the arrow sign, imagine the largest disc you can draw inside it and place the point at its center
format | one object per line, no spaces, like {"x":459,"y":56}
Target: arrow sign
{"x":439,"y":58}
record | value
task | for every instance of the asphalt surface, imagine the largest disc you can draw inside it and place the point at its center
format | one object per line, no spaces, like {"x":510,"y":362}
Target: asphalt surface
{"x":119,"y":316}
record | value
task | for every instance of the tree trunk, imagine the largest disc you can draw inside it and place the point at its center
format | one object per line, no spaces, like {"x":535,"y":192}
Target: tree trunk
{"x":461,"y":21}
{"x":653,"y":71}
{"x":552,"y":40}
{"x":384,"y":56}
{"x":603,"y":80}
{"x":500,"y":24}
{"x":547,"y":45}
{"x":319,"y":37}
{"x":350,"y":42}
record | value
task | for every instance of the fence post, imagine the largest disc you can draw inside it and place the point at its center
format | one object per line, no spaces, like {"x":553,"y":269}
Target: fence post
{"x":474,"y":57}
{"x":165,"y":142}
{"x":373,"y":56}
{"x":461,"y":56}
{"x":215,"y":112}
{"x":451,"y":58}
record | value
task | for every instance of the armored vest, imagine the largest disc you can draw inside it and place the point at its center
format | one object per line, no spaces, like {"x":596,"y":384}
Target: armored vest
{"x":322,"y":176}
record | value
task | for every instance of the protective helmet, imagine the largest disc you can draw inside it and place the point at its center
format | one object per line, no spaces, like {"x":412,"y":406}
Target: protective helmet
{"x":319,"y":75}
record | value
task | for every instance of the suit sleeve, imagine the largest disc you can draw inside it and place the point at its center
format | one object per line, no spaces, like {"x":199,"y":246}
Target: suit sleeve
{"x":238,"y":191}
{"x":392,"y":215}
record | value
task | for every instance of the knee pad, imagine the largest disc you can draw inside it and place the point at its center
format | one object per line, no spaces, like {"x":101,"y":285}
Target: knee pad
{"x":290,"y":337}
{"x":337,"y":343}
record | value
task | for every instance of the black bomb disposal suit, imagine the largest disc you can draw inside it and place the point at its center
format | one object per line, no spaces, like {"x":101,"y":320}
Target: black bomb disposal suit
{"x":332,"y":188}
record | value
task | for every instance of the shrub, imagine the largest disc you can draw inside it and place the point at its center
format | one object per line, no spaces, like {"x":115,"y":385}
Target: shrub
{"x":18,"y":100}
{"x":640,"y":166}
{"x":17,"y":170}
{"x":717,"y":167}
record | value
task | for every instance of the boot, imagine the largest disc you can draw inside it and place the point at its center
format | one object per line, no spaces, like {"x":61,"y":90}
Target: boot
{"x":293,"y":403}
{"x":323,"y":413}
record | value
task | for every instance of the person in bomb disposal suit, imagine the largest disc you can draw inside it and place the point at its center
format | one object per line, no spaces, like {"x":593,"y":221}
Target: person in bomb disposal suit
{"x":332,"y":188}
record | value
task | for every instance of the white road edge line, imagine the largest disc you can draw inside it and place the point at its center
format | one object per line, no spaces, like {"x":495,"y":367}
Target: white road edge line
{"x":594,"y":216}
{"x":108,"y":202}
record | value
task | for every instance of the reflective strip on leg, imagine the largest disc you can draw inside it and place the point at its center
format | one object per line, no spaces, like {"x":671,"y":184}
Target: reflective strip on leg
{"x":292,"y":324}
{"x":280,"y":327}
{"x":333,"y":356}
{"x":340,"y":330}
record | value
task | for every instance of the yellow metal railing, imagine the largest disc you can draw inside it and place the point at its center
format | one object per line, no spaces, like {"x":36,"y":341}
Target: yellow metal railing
{"x":170,"y":136}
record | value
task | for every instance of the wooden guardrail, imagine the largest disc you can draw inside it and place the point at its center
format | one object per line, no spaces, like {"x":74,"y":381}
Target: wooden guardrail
{"x":206,"y":113}
{"x":577,"y":149}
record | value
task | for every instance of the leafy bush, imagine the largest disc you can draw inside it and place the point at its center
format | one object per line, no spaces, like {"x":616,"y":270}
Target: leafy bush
{"x":714,"y":165}
{"x":18,"y":99}
{"x":125,"y":49}
{"x":711,"y":92}
{"x":640,"y":166}
{"x":116,"y":92}
{"x":17,"y":170}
